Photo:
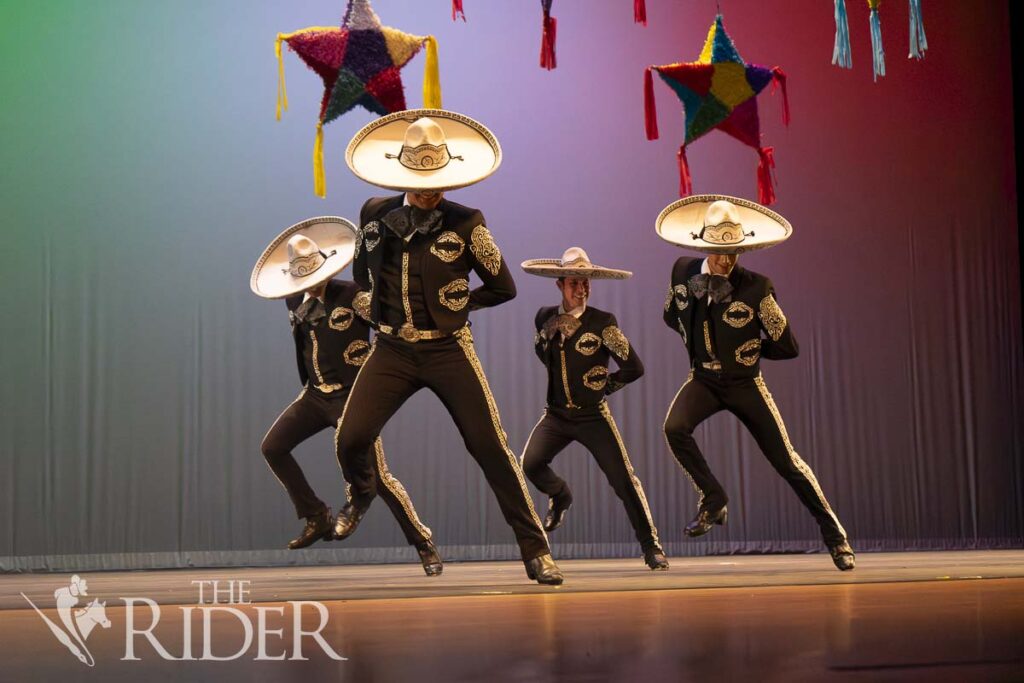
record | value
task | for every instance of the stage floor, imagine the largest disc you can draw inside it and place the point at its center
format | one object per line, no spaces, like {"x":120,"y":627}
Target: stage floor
{"x":951,"y":616}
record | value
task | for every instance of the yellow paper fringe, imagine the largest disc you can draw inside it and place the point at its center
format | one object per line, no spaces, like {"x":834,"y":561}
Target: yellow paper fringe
{"x":319,"y":179}
{"x":282,"y":94}
{"x":431,"y":77}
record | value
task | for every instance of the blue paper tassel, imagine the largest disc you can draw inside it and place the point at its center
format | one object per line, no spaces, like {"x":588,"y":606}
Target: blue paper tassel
{"x":918,"y":41}
{"x":841,"y":56}
{"x":876,"y":45}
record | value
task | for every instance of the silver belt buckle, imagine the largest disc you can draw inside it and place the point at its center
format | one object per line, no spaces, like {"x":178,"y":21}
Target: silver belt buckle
{"x":715,"y":366}
{"x":409,"y":333}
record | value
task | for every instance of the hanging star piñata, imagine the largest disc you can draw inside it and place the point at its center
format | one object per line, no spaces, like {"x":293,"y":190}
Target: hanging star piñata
{"x":719,"y":91}
{"x":359,"y":63}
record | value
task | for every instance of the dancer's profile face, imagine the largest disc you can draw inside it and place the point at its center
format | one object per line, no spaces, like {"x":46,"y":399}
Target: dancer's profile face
{"x":575,"y":291}
{"x":425,"y":200}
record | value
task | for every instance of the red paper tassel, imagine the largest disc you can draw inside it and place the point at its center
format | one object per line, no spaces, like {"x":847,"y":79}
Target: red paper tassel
{"x":640,"y":12}
{"x":650,"y":111}
{"x":765,"y":171}
{"x":685,"y":182}
{"x":457,"y":10}
{"x":547,"y":42}
{"x":779,"y":79}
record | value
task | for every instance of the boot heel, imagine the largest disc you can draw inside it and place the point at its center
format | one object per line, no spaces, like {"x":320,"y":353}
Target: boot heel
{"x":530,"y":574}
{"x":722,"y":518}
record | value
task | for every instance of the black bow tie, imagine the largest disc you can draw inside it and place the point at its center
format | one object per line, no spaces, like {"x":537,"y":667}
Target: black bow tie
{"x":406,"y":219}
{"x":310,"y":311}
{"x":717,"y":286}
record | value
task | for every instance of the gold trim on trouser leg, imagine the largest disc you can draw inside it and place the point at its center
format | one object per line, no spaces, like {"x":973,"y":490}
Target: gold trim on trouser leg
{"x":522,"y":458}
{"x":700,"y":494}
{"x":607,"y":415}
{"x":465,"y":339}
{"x":348,"y":402}
{"x":297,"y":399}
{"x":398,"y":491}
{"x":798,"y":462}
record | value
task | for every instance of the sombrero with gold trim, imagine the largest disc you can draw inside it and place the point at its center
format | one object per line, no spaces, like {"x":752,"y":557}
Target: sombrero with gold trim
{"x":423,"y":150}
{"x":574,"y":263}
{"x":720,"y":224}
{"x":305,"y":255}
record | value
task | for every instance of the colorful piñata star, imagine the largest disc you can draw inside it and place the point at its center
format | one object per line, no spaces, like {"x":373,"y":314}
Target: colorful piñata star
{"x":718,"y":91}
{"x":359,"y":63}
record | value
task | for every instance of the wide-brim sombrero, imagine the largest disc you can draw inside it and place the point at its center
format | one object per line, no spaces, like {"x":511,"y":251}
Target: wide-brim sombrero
{"x":368,"y":152}
{"x":682,"y":222}
{"x":336,"y":237}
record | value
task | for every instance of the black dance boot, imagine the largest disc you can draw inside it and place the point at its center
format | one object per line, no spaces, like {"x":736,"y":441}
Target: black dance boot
{"x":705,"y":519}
{"x":655,"y":559}
{"x":544,"y":570}
{"x":430,"y":558}
{"x":348,"y":520}
{"x":558,"y":506}
{"x":320,"y":526}
{"x":842,"y":555}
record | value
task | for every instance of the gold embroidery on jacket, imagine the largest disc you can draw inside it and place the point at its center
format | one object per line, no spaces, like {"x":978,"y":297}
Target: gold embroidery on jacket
{"x":681,"y":297}
{"x":668,"y":299}
{"x":371,"y":235}
{"x":565,"y":383}
{"x":455,"y":294}
{"x":707,"y":340}
{"x":340,"y":319}
{"x":616,"y":341}
{"x":356,"y":352}
{"x":361,"y":305}
{"x":321,"y":385}
{"x":588,"y":343}
{"x":596,"y":378}
{"x":448,"y":246}
{"x":485,"y":250}
{"x":738,"y":314}
{"x":748,"y":352}
{"x":772,"y":318}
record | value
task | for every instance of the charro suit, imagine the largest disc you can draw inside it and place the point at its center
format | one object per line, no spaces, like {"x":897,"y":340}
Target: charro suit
{"x":414,"y":268}
{"x":726,"y":341}
{"x":577,"y":360}
{"x":329,"y":353}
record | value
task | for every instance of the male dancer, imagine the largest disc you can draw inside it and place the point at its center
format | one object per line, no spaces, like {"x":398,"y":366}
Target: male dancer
{"x":413,"y":260}
{"x":721,"y":310}
{"x":575,"y":341}
{"x":331,"y":343}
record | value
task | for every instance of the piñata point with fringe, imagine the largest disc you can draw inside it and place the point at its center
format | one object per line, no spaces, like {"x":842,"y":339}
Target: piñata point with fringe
{"x":359,"y":62}
{"x":719,"y":91}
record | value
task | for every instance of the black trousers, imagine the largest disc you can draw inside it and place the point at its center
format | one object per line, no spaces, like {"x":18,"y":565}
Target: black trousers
{"x":395,"y":370}
{"x":596,"y":430}
{"x":706,"y":393}
{"x":309,"y":414}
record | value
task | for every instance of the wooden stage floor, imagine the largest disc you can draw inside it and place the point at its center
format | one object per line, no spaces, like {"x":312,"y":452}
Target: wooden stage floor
{"x":952,"y":616}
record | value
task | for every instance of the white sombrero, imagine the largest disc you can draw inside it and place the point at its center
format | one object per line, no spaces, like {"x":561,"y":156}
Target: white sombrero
{"x":574,"y":263}
{"x":719,"y":224}
{"x":305,"y":255}
{"x":421,"y":150}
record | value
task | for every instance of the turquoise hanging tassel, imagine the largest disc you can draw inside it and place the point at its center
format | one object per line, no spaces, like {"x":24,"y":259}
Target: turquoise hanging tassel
{"x":918,"y":41}
{"x":876,"y":40}
{"x":841,"y":56}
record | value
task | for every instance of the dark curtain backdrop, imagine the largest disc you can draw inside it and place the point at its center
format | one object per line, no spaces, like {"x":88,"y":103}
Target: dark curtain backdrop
{"x":142,"y":172}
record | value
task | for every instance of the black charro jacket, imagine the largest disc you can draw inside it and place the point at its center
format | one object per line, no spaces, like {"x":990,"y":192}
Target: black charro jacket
{"x":735,"y":325}
{"x":578,"y":374}
{"x":460,"y":244}
{"x":341,"y":339}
